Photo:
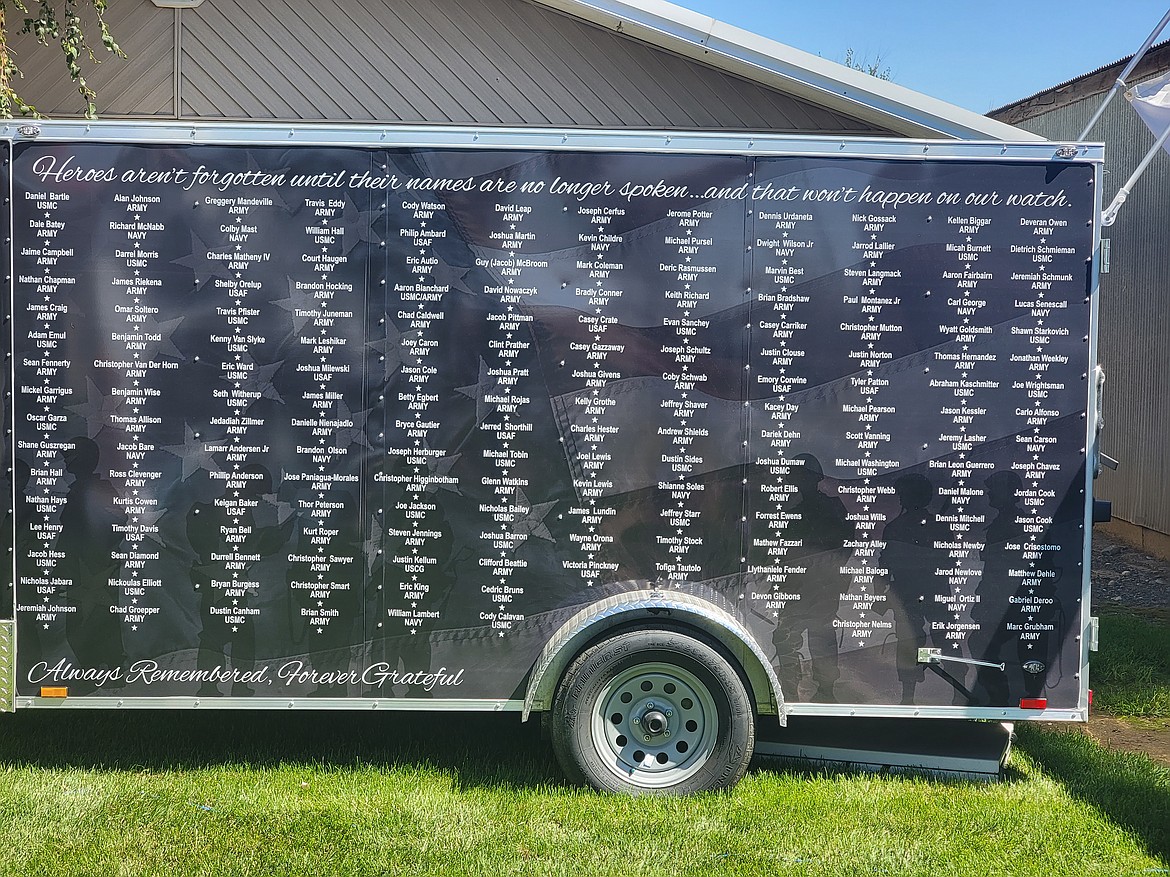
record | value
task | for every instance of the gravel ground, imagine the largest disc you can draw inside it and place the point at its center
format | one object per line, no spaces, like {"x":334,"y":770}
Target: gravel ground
{"x":1124,"y":576}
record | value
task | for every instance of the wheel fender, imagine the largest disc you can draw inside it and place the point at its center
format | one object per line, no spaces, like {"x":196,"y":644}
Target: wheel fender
{"x":572,"y":637}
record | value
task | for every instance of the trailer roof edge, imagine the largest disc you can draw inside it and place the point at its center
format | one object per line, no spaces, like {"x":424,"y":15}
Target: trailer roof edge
{"x":758,"y":58}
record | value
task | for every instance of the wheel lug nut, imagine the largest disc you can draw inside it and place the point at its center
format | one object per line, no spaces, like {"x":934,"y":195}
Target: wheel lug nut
{"x":636,"y":720}
{"x":647,"y":738}
{"x":650,"y":705}
{"x":666,"y":733}
{"x":669,"y":713}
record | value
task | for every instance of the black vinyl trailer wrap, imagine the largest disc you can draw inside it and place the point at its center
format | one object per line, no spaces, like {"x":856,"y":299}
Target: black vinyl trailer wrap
{"x":653,"y":433}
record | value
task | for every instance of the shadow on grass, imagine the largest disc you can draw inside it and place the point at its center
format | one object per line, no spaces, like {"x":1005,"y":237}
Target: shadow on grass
{"x":478,"y":749}
{"x":1132,"y":792}
{"x":482,"y":750}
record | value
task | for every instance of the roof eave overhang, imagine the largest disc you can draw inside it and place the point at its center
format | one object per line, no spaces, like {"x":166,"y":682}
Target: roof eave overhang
{"x":734,"y":50}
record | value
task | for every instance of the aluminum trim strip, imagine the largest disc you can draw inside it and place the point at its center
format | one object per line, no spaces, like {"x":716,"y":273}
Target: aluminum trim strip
{"x":488,"y":705}
{"x":369,"y":135}
{"x":7,"y":666}
{"x":892,"y":711}
{"x":1092,"y":437}
{"x":9,"y":401}
{"x":272,"y":703}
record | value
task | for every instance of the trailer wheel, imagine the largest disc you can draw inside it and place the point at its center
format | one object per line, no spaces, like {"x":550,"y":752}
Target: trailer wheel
{"x":653,"y":711}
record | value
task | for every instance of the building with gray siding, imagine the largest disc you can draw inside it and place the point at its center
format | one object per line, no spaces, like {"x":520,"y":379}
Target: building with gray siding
{"x":1134,"y":343}
{"x":597,"y":64}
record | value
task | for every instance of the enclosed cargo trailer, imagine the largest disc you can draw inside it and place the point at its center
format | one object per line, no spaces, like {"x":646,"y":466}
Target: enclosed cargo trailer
{"x":653,"y":433}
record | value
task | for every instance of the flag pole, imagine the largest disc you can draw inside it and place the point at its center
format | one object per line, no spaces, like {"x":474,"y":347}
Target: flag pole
{"x":1120,"y":84}
{"x":1110,"y":214}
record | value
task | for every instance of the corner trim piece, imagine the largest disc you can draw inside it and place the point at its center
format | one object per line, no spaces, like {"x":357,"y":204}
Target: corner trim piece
{"x":7,"y":666}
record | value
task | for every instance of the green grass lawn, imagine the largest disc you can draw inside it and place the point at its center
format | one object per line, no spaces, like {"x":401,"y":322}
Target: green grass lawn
{"x":1131,"y":673}
{"x":187,"y":793}
{"x":351,"y":793}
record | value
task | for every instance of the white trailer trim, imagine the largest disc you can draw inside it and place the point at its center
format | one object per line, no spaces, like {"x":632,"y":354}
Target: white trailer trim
{"x":419,"y":136}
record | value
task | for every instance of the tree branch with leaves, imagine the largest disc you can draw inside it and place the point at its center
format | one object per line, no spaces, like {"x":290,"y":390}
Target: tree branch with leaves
{"x":51,"y":21}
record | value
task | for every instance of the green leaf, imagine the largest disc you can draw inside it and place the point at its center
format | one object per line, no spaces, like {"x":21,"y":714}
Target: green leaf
{"x":60,"y":21}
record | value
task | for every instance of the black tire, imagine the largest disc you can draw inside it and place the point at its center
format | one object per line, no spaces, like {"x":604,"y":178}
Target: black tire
{"x":653,"y":712}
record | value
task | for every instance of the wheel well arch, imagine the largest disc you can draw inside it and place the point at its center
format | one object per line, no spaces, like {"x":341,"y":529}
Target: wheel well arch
{"x":646,"y":609}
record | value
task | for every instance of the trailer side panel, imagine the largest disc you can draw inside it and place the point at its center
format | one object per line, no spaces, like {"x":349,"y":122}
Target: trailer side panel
{"x":351,"y":423}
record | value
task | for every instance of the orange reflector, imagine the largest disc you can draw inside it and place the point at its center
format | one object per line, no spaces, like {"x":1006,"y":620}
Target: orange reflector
{"x":49,"y":691}
{"x":1033,"y":703}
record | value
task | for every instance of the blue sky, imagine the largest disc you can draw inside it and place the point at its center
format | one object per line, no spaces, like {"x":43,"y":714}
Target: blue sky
{"x":979,"y":54}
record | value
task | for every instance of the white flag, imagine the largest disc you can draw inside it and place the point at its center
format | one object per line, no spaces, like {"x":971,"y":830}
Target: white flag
{"x":1151,"y":100}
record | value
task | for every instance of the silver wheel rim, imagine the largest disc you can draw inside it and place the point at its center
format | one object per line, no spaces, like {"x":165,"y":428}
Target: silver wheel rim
{"x":654,"y":725}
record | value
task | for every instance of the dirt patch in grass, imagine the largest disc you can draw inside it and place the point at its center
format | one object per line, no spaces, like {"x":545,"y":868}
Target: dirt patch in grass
{"x":1149,"y":737}
{"x":1127,"y":579}
{"x":1145,"y":736}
